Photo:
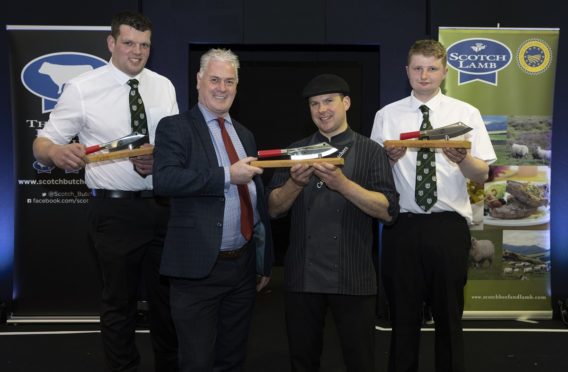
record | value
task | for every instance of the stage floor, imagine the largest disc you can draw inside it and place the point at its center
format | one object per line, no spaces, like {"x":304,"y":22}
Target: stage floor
{"x":491,"y":346}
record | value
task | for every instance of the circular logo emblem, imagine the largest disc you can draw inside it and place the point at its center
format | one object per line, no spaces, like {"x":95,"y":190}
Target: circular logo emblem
{"x":534,"y":56}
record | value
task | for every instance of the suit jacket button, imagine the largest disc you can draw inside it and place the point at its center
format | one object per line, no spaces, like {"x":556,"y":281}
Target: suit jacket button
{"x":219,"y":224}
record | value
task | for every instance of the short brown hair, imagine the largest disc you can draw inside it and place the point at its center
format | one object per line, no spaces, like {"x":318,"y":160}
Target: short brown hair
{"x":428,"y":48}
{"x":135,"y":20}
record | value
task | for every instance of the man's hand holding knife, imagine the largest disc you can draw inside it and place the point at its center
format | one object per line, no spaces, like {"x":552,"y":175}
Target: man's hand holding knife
{"x":69,"y":157}
{"x":300,"y":174}
{"x":143,"y":164}
{"x":242,"y":172}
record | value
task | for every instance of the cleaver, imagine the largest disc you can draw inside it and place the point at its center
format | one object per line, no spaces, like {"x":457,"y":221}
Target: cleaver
{"x":445,"y":132}
{"x":316,"y":151}
{"x":129,"y":141}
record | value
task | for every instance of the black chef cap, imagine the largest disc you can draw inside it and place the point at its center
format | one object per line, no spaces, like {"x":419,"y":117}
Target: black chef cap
{"x":324,"y":84}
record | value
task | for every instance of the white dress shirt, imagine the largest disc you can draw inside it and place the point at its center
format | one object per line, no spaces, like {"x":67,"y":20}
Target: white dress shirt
{"x":94,"y":107}
{"x":405,"y":116}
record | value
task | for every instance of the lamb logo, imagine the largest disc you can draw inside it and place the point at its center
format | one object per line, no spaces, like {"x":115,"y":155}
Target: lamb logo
{"x":46,"y":75}
{"x":478,"y":60}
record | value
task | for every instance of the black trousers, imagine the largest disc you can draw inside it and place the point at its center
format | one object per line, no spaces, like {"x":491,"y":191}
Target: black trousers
{"x":212,"y":315}
{"x":128,"y":236}
{"x":354,"y":318}
{"x":424,"y":259}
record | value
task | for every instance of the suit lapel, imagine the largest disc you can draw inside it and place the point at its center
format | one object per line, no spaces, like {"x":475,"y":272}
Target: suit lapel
{"x":204,"y":136}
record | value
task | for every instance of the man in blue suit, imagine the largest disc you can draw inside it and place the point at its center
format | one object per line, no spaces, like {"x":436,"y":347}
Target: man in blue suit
{"x":218,"y":246}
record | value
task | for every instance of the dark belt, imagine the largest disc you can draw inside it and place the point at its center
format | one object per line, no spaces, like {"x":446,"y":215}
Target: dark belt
{"x":429,"y":215}
{"x":120,"y":194}
{"x":235,"y":253}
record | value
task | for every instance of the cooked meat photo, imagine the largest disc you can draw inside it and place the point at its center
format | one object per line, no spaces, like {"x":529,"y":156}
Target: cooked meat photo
{"x":513,"y":210}
{"x":528,"y":193}
{"x":519,"y":200}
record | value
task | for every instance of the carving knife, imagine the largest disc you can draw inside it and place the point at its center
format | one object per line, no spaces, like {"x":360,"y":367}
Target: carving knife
{"x":445,"y":132}
{"x":319,"y":150}
{"x":129,"y":141}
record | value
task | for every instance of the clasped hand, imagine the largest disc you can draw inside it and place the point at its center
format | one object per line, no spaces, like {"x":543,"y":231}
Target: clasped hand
{"x":328,"y":173}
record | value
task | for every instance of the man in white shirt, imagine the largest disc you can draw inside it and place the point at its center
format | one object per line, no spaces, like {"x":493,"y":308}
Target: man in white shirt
{"x":127,"y":223}
{"x":424,"y":254}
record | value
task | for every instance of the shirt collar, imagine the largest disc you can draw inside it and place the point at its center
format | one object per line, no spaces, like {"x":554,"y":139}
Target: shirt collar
{"x":120,"y":76}
{"x":211,"y":117}
{"x":340,"y":139}
{"x":432,"y":104}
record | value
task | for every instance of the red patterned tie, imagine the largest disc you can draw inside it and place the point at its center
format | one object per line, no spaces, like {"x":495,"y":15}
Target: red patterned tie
{"x":244,"y":196}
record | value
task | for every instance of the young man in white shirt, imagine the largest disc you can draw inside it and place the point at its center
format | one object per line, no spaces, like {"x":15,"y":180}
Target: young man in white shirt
{"x":424,"y":254}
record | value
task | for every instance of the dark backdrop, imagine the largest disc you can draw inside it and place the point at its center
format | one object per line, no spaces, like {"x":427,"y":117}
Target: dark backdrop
{"x":388,"y":26}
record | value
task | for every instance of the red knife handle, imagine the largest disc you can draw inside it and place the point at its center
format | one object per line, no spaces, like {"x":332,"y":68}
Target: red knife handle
{"x":270,"y":153}
{"x":92,"y":149}
{"x":409,"y":135}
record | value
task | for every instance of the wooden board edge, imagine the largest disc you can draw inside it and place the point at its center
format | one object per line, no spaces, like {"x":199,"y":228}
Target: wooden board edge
{"x":94,"y":158}
{"x":427,"y":143}
{"x":290,"y":163}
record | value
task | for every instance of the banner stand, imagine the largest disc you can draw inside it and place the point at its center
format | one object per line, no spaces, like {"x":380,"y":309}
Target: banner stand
{"x":508,"y":74}
{"x":55,"y":272}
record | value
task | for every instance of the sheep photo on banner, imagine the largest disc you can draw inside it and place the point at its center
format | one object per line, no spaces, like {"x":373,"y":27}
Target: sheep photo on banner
{"x":508,"y":74}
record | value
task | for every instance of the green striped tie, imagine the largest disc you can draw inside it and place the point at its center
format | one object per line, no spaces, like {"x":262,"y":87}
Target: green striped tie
{"x":137,"y":112}
{"x":426,"y":193}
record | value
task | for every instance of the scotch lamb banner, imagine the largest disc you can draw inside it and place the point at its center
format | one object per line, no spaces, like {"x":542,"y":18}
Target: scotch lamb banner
{"x":55,"y":273}
{"x":508,"y":74}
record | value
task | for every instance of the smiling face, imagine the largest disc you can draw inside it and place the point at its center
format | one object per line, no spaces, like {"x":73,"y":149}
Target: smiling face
{"x":217,"y":86}
{"x":425,"y":74}
{"x":130,"y":50}
{"x":329,"y":113}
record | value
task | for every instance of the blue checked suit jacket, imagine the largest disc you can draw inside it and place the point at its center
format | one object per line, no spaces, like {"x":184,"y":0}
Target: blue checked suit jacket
{"x":186,"y":170}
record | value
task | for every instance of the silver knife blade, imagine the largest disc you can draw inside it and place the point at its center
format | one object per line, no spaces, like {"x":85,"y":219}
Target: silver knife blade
{"x":322,"y":146}
{"x":130,"y":141}
{"x":445,"y":132}
{"x":305,"y":152}
{"x":313,"y":153}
